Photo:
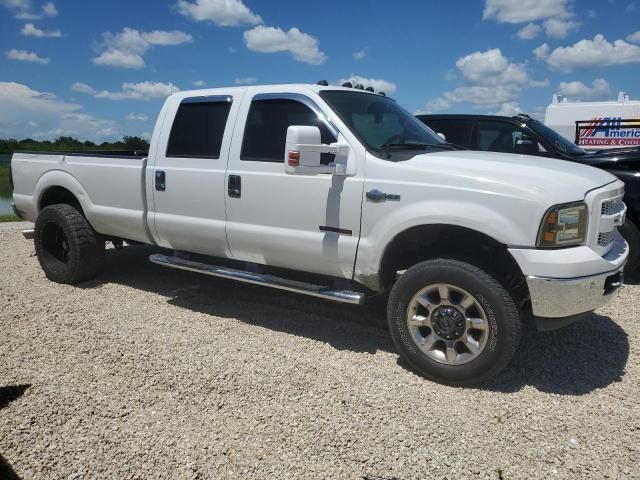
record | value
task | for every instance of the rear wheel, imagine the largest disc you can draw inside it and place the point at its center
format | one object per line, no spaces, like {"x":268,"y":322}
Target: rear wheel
{"x":68,"y":249}
{"x":453,"y":322}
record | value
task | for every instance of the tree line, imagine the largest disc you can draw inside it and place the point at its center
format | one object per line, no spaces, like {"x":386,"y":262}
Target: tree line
{"x":70,"y":144}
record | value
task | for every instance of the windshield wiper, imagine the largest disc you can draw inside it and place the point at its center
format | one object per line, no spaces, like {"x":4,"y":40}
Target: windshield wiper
{"x":408,"y":145}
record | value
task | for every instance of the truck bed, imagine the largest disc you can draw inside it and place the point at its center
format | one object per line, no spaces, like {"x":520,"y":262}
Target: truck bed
{"x":110,"y":187}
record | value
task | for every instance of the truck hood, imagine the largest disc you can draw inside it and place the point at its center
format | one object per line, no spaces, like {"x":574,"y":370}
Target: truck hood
{"x":539,"y":179}
{"x":622,"y":158}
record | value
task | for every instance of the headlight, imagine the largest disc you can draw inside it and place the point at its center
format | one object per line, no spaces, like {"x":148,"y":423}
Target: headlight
{"x":563,"y":226}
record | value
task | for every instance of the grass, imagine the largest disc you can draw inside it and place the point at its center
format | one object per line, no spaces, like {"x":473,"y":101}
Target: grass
{"x":10,"y":217}
{"x":5,"y":192}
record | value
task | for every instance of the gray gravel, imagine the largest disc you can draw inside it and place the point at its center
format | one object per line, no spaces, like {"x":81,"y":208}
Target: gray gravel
{"x":152,"y":373}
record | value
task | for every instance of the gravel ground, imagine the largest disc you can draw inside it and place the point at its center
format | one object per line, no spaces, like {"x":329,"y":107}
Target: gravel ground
{"x":155,"y":373}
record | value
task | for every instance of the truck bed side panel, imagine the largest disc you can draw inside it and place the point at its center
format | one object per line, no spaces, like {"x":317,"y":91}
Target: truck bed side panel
{"x":109,"y":189}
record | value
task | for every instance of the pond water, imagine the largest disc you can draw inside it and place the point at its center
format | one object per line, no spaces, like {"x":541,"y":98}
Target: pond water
{"x":5,"y":189}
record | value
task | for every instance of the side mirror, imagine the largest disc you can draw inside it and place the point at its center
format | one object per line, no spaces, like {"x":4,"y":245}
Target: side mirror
{"x":442,"y":136}
{"x":526,"y":145}
{"x":303,"y":149}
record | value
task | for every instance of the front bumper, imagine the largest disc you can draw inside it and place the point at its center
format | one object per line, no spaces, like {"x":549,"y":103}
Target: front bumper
{"x":567,"y":297}
{"x":570,"y":281}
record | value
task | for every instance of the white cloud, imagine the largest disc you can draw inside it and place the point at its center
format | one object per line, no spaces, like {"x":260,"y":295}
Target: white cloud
{"x":126,"y":49}
{"x":491,"y":68}
{"x":542,"y":51}
{"x":130,"y":91}
{"x":508,"y":109}
{"x":49,"y":10}
{"x":25,"y":56}
{"x":199,"y":83}
{"x":529,"y":32}
{"x":224,"y":13}
{"x":302,"y":46}
{"x":490,"y":80}
{"x":246,"y":81}
{"x":120,"y":59}
{"x":556,"y":16}
{"x":359,"y":55}
{"x":556,"y":28}
{"x":634,"y":37}
{"x":578,"y":90}
{"x":30,"y":30}
{"x":523,"y":11}
{"x":137,"y":117}
{"x":21,"y":106}
{"x":83,"y":88}
{"x":586,"y":54}
{"x":377,"y":84}
{"x":23,"y":11}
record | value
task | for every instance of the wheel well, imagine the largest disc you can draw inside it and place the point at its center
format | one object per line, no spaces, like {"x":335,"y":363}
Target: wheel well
{"x":59,"y":195}
{"x":426,"y":242}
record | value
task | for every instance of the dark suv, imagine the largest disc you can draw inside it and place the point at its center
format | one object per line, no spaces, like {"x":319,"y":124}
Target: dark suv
{"x":524,"y":135}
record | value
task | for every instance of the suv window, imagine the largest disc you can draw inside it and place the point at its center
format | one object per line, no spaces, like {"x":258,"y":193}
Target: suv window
{"x":265,"y":133}
{"x":198,"y":129}
{"x":457,"y":130}
{"x":496,"y":136}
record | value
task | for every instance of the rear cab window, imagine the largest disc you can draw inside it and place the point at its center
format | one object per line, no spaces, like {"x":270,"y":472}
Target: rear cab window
{"x":198,"y":127}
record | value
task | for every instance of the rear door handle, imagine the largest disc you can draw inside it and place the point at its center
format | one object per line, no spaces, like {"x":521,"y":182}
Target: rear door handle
{"x":161,"y":184}
{"x":234,"y":187}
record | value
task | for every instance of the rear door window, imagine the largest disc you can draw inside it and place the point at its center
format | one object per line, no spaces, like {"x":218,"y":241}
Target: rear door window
{"x":198,"y":129}
{"x":456,"y":130}
{"x":497,"y":136}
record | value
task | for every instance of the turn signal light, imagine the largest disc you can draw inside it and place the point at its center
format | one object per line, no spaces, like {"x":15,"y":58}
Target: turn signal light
{"x":293,"y":159}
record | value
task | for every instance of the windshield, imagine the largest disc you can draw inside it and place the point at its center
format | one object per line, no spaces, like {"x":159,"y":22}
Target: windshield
{"x":555,"y":139}
{"x":380,"y":123}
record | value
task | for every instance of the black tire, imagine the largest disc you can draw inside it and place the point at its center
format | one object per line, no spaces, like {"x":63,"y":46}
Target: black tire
{"x":68,"y":249}
{"x":502,"y":317}
{"x":631,"y":234}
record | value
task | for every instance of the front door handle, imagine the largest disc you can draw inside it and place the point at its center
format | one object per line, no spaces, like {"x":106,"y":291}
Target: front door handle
{"x":234,"y":188}
{"x":376,"y":196}
{"x":161,"y":184}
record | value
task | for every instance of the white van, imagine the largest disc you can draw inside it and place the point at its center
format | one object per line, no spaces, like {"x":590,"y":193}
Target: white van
{"x":596,"y":125}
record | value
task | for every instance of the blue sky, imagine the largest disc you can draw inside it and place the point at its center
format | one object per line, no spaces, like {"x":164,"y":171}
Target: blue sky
{"x":99,"y":70}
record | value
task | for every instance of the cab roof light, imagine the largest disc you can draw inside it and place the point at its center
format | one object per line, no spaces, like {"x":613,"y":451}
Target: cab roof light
{"x":382,"y":94}
{"x":369,"y":89}
{"x":323,"y":83}
{"x":359,"y":87}
{"x":347,"y":85}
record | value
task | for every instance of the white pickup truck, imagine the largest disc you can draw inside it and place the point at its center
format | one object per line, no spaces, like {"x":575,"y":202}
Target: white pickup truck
{"x":340,"y":193}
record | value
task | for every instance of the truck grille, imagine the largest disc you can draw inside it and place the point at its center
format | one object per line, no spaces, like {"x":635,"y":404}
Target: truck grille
{"x":613,"y":206}
{"x":604,"y":239}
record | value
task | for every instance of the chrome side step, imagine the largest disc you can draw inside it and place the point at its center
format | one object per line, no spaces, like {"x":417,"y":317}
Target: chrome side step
{"x":28,"y":234}
{"x":343,"y":296}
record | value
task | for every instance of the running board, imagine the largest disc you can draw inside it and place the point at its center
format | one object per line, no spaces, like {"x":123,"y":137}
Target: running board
{"x":343,"y":296}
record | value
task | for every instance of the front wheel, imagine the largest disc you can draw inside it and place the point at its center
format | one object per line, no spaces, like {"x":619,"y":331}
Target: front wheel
{"x":453,"y":322}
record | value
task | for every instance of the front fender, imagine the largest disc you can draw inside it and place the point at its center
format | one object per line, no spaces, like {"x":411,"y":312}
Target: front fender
{"x":498,"y":225}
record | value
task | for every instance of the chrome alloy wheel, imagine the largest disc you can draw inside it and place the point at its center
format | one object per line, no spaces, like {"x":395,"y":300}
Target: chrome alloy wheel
{"x":448,"y":324}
